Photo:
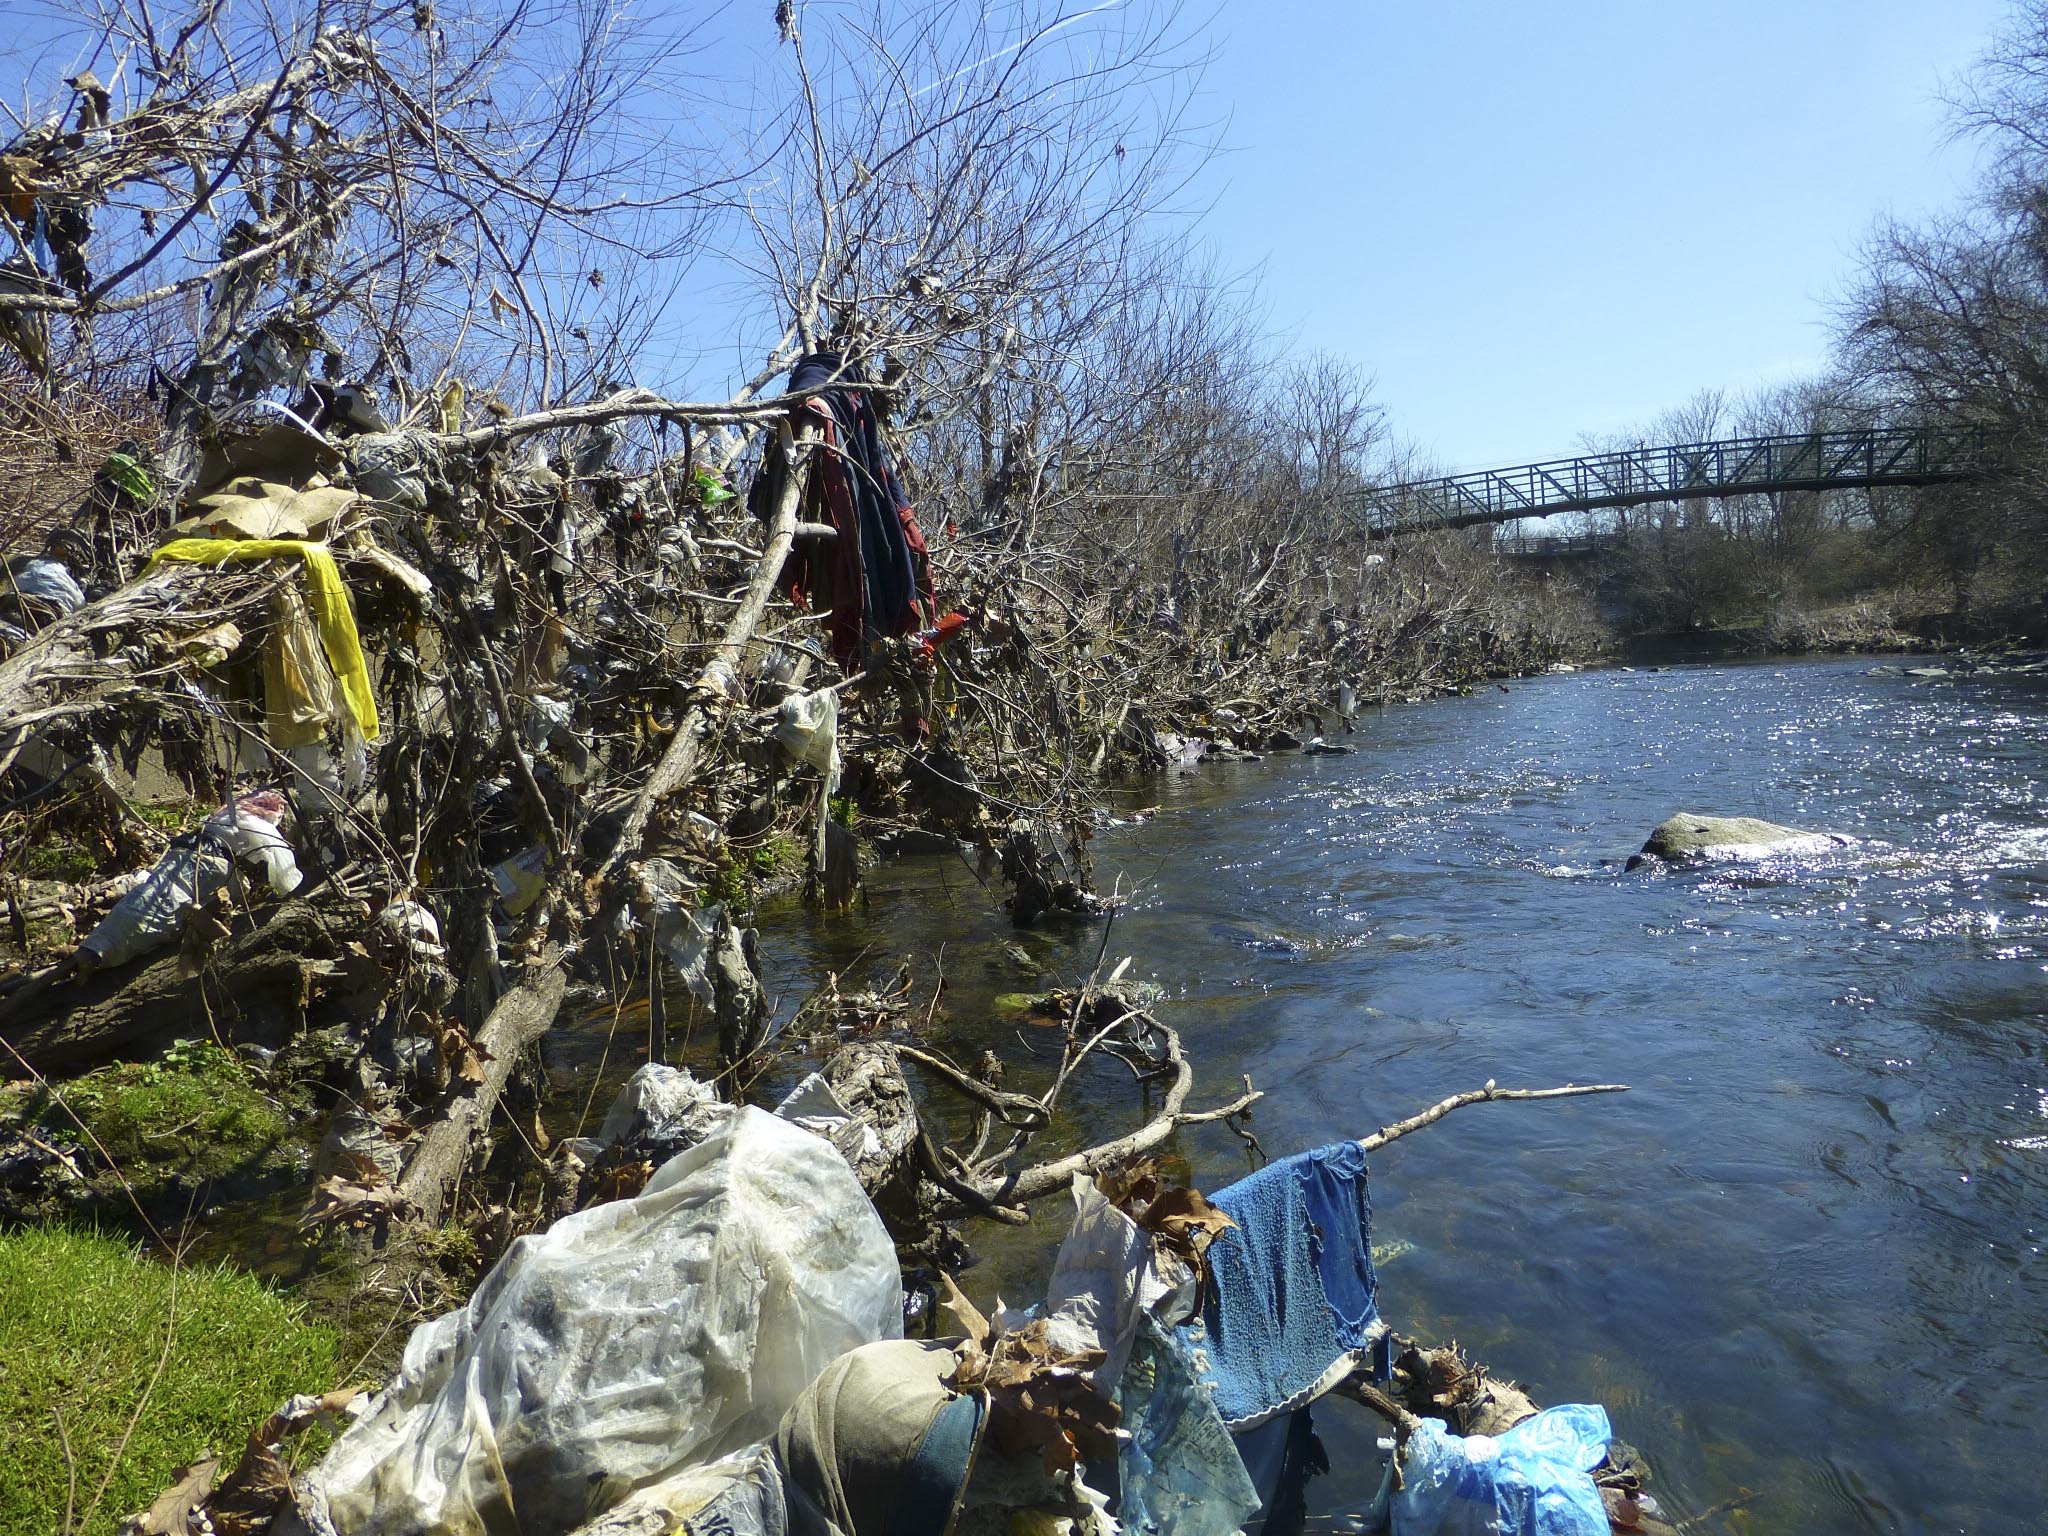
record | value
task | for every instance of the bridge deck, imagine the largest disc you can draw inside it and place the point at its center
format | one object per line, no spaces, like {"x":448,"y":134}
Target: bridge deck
{"x":1810,"y":461}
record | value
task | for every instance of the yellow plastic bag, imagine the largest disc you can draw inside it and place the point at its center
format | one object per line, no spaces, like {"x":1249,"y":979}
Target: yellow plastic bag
{"x":300,"y":700}
{"x":325,"y":591}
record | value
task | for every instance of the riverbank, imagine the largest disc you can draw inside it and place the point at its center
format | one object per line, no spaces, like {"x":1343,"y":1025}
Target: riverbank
{"x":323,"y":1069}
{"x":1872,"y":626}
{"x":1826,"y":1175}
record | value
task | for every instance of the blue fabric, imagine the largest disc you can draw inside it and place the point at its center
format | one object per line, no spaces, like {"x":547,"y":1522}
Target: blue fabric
{"x":1291,"y":1286}
{"x":929,"y":1483}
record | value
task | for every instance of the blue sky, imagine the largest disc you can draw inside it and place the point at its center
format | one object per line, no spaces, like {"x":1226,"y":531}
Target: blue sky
{"x":1533,"y":221}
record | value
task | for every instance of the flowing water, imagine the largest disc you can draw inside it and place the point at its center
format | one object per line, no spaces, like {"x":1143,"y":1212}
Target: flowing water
{"x":1802,"y":1256}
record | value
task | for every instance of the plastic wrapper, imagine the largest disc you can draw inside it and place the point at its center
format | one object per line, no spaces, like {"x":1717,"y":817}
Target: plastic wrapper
{"x":1531,"y":1481}
{"x":629,"y":1342}
{"x":521,"y":880}
{"x":807,"y":728}
{"x":50,"y":582}
{"x":191,"y":871}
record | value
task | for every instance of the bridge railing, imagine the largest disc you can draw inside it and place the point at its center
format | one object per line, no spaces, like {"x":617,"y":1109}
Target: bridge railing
{"x":1685,"y":471}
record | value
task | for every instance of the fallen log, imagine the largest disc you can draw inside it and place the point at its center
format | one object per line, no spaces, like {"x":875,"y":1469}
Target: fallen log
{"x":716,"y":683}
{"x":518,"y":1021}
{"x":256,"y":988}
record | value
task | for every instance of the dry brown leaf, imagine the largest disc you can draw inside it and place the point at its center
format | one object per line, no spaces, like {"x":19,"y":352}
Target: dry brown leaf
{"x":212,"y":646}
{"x":260,"y":1487}
{"x":339,"y":1200}
{"x":365,"y":1170}
{"x":1040,"y":1398}
{"x":462,"y":1056}
{"x":1131,"y":1185}
{"x":170,"y":1513}
{"x":1184,"y":1222}
{"x":200,"y":929}
{"x":954,"y":1300}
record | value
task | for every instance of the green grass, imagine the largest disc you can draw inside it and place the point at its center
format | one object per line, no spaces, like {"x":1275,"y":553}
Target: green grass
{"x":83,"y":1324}
{"x":58,"y":858}
{"x":193,"y":1113}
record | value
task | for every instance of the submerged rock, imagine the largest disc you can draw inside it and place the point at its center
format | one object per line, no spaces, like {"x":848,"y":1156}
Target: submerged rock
{"x":1688,"y":838}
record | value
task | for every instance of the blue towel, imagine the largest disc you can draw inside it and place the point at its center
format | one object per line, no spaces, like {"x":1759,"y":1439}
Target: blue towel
{"x":1291,"y":1286}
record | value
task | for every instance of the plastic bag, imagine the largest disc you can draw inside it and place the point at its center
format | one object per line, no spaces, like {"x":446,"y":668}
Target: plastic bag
{"x":1178,"y":1469}
{"x":1106,"y":1276}
{"x":807,"y":728}
{"x":147,"y":917}
{"x":248,"y":829}
{"x":1531,"y":1481}
{"x":300,"y":696}
{"x":739,"y":1495}
{"x":413,"y":928}
{"x":52,"y":582}
{"x":662,"y":1108}
{"x":191,"y":871}
{"x":628,"y":1342}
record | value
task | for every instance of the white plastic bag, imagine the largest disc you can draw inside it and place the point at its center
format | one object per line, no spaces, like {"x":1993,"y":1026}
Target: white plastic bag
{"x":52,"y":582}
{"x":1106,"y":1275}
{"x":664,"y":1106}
{"x":807,"y":728}
{"x":147,"y":917}
{"x":190,"y":872}
{"x":249,"y":828}
{"x":628,"y":1342}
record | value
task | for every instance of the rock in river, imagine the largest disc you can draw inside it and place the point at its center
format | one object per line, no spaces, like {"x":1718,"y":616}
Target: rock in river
{"x":1688,"y":838}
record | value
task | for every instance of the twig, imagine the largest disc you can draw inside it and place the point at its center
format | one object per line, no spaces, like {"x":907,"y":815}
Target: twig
{"x":1013,"y":1109}
{"x":1364,"y":1392}
{"x":1485,"y":1095}
{"x":70,"y":1471}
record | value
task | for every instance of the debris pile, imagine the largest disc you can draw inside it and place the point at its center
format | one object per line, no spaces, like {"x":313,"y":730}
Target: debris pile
{"x":723,"y":1350}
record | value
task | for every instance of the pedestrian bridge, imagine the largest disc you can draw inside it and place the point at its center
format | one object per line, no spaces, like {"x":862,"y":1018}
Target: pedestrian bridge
{"x":1632,"y":477}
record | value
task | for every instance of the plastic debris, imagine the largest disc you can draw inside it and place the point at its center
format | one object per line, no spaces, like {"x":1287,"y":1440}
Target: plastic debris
{"x":1107,"y":1276}
{"x":300,"y":698}
{"x":412,"y":926}
{"x":194,"y":869}
{"x":807,"y":728}
{"x":1177,"y":1467}
{"x":521,"y":879}
{"x":662,"y":1111}
{"x":631,"y":1341}
{"x":737,"y":1495}
{"x":325,"y":591}
{"x":1531,"y":1481}
{"x":49,"y":581}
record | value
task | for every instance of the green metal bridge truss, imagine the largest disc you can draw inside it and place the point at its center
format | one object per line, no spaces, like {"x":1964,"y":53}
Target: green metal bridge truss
{"x":1807,"y":461}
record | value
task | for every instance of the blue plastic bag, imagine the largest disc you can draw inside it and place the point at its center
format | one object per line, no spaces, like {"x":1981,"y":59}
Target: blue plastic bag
{"x":1532,"y":1481}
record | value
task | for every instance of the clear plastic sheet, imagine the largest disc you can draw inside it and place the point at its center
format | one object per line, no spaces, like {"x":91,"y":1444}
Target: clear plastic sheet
{"x":630,"y":1342}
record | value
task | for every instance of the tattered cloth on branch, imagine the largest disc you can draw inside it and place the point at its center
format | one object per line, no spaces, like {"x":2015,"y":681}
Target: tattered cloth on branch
{"x":325,"y":590}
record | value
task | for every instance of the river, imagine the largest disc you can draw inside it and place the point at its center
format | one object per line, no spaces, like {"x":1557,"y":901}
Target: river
{"x":1802,"y":1257}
